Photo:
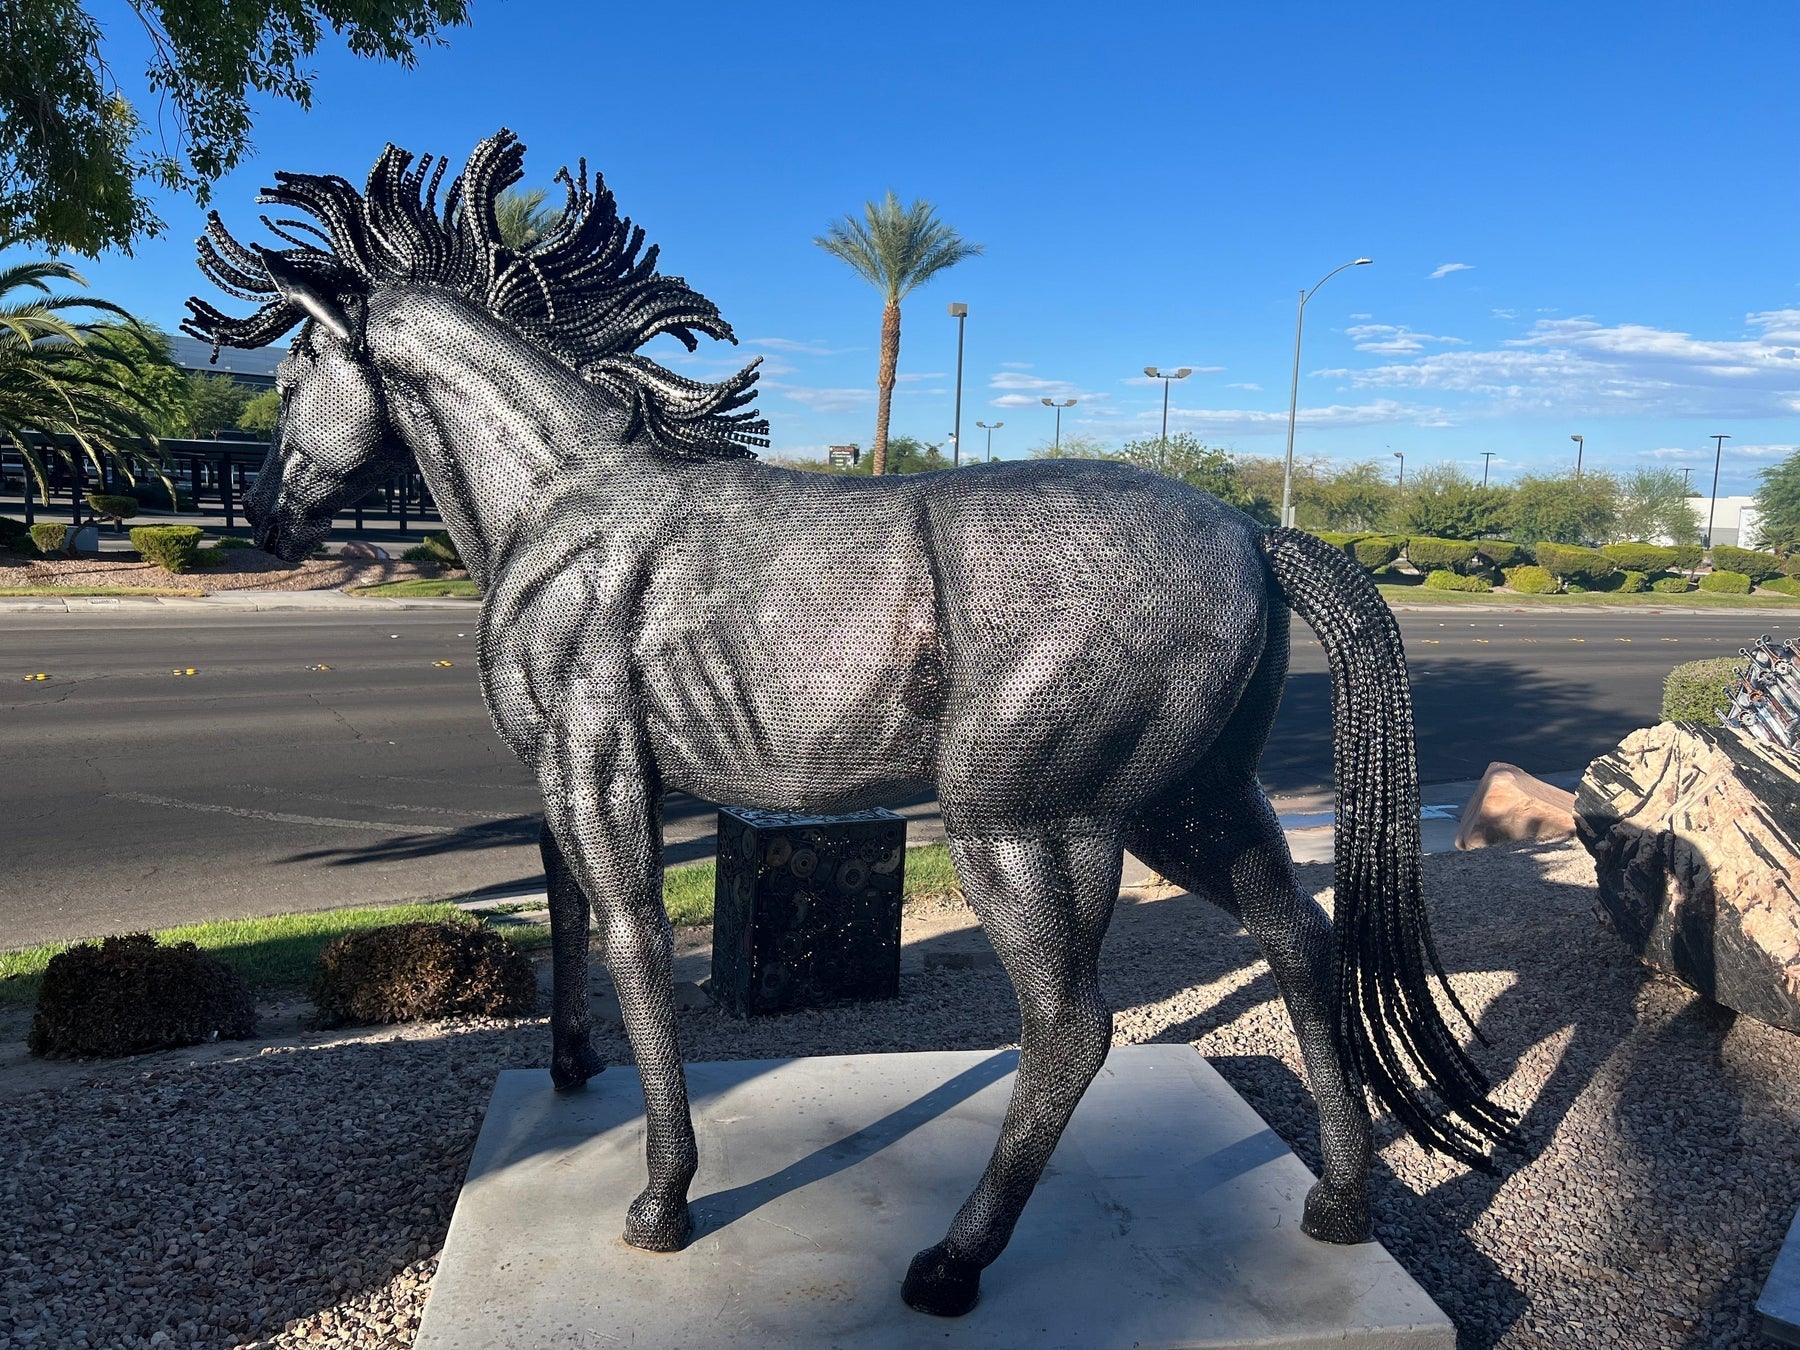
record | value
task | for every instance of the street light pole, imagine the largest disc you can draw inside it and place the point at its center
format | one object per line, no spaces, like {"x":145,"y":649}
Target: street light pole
{"x":1287,"y":470}
{"x":1718,"y":453}
{"x":1687,"y":476}
{"x":990,"y":428}
{"x":960,"y":313}
{"x":1052,"y":403}
{"x":1156,"y":374}
{"x":1487,"y":457}
{"x":1580,"y":445}
{"x":1401,"y":481}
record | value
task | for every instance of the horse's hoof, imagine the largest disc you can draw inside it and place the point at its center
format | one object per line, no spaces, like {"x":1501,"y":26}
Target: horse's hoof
{"x":1336,"y":1214}
{"x":941,"y":1284}
{"x":655,"y":1225}
{"x":570,"y":1070}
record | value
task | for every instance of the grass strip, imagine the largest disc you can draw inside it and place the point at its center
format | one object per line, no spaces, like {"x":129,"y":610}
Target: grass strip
{"x":439,"y":587}
{"x":1419,"y":597}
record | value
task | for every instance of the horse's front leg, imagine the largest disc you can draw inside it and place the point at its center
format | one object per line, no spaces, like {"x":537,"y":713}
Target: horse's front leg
{"x":573,"y":1059}
{"x":602,"y":806}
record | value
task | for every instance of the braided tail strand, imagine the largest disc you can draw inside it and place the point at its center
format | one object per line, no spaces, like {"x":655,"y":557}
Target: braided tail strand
{"x":1390,"y":1034}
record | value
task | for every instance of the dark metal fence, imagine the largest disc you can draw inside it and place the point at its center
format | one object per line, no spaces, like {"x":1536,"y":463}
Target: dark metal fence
{"x":210,"y":478}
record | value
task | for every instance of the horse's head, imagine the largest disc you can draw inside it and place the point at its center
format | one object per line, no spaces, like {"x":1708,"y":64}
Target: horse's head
{"x":333,"y":442}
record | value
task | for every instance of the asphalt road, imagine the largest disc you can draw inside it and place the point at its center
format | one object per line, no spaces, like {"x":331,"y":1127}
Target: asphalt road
{"x":315,"y":760}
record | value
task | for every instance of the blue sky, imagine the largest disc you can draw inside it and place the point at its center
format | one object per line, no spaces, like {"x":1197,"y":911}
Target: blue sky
{"x":1584,"y":218}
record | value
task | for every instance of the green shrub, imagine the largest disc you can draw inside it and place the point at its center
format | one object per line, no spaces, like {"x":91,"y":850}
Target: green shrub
{"x":1640,"y":557}
{"x":444,"y":547}
{"x":172,"y":547}
{"x":126,"y":995}
{"x":48,"y":535}
{"x":1503,"y":552}
{"x":230,"y":541}
{"x":1375,"y":550}
{"x":1725,"y":583}
{"x":1783,"y":585}
{"x":1436,"y":555}
{"x":1566,"y":562}
{"x":111,"y":506}
{"x":422,"y":553}
{"x":1531,"y":579}
{"x":1695,"y":691}
{"x":1442,"y":580}
{"x":1671,"y":585}
{"x":1631,"y":583}
{"x":1337,"y":539}
{"x":210,"y":557}
{"x":410,"y":971}
{"x":1391,"y":575}
{"x":1790,"y":565}
{"x":1687,"y":557}
{"x":1752,"y":564}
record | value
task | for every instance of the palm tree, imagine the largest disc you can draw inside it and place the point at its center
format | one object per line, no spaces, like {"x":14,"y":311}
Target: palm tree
{"x":895,"y":249}
{"x":73,"y":383}
{"x":523,"y":218}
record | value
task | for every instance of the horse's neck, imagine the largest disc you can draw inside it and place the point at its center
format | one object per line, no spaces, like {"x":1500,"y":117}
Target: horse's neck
{"x":491,"y":420}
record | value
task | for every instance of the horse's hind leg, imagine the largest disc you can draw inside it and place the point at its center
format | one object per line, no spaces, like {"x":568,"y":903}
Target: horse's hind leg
{"x":1045,"y":902}
{"x":573,"y":1059}
{"x":1224,"y":841}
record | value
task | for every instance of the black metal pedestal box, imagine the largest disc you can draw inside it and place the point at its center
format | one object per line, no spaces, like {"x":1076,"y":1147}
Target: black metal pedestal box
{"x":807,"y":909}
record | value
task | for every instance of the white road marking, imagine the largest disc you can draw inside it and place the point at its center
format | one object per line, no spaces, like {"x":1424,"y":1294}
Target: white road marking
{"x":283,"y":817}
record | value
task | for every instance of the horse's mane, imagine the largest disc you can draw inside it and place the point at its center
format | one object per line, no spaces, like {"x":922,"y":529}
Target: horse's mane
{"x":583,"y":292}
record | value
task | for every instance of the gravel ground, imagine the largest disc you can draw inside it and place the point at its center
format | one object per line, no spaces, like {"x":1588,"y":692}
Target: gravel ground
{"x":298,"y":1194}
{"x":250,"y":569}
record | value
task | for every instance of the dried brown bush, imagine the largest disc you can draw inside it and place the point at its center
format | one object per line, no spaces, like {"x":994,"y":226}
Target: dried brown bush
{"x":412,"y":971}
{"x":127,"y":995}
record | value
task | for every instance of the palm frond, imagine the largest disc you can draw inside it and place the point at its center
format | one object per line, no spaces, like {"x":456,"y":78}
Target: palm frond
{"x":896,"y":248}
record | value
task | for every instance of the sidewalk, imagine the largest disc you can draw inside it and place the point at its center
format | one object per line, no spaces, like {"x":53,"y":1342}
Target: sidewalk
{"x":241,"y":602}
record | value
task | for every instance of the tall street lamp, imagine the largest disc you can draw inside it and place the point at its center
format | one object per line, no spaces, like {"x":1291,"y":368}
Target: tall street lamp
{"x":1718,"y":452}
{"x":1156,"y":374}
{"x":1400,"y":482}
{"x":990,"y":428}
{"x":960,"y":313}
{"x":1287,"y":471}
{"x":1687,"y":475}
{"x":1487,"y":457}
{"x":1580,"y":445}
{"x":1052,"y":403}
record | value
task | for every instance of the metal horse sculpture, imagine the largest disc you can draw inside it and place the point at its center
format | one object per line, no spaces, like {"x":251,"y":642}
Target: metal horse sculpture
{"x":1078,"y":658}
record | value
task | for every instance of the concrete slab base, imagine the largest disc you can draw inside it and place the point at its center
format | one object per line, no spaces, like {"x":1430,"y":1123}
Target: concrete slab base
{"x":1779,"y":1306}
{"x":1170,"y":1216}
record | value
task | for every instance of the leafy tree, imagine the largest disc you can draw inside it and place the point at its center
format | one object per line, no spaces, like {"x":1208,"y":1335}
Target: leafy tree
{"x":77,"y":162}
{"x":214,"y":402}
{"x":909,"y":454}
{"x":62,"y":379}
{"x":260,"y":412}
{"x":1355,"y":497}
{"x":1563,"y":509}
{"x":522,"y":216}
{"x":1072,"y":446}
{"x":1185,"y":456}
{"x":896,"y":249}
{"x":1654,"y":502}
{"x":1778,"y":506}
{"x":137,"y":357}
{"x":1444,"y":502}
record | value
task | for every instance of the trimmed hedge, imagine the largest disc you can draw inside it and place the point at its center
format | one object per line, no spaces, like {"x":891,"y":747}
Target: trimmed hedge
{"x":111,"y":506}
{"x":48,"y":535}
{"x":1530,"y":579}
{"x":1566,"y":562}
{"x":1375,"y":550}
{"x":1687,"y":557}
{"x":1790,"y":565}
{"x":1442,"y":580}
{"x":438,"y":548}
{"x":412,"y":971}
{"x":1338,"y":539}
{"x":1725,"y":583}
{"x":232,"y":541}
{"x":1695,"y":691}
{"x":1631,"y":583}
{"x":1640,"y":557}
{"x":1751,"y":563}
{"x":1434,"y":555}
{"x":1671,"y":585}
{"x":172,"y":547}
{"x":1783,"y":585}
{"x":126,"y":995}
{"x":1503,"y":552}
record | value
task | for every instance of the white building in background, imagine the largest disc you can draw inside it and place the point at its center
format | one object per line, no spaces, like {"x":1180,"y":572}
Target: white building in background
{"x":1734,"y":520}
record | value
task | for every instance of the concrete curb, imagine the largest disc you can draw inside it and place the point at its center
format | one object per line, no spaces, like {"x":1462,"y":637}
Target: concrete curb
{"x":226,"y":602}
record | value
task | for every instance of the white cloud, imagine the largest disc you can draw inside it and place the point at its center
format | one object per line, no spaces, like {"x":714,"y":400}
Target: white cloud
{"x":1362,"y":316}
{"x":908,"y":377}
{"x":1445,"y":269}
{"x":1505,"y":313}
{"x":796,"y":348}
{"x":1251,"y":420}
{"x":824,"y":400}
{"x":1015,"y":365}
{"x":1386,"y":339}
{"x":1022,"y":391}
{"x":1254,"y":388}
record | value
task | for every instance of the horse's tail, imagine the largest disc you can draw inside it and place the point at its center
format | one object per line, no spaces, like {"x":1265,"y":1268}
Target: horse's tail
{"x":1386,"y":1022}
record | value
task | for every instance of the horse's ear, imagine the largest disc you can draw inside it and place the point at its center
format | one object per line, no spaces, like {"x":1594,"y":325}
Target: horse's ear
{"x":299,"y":289}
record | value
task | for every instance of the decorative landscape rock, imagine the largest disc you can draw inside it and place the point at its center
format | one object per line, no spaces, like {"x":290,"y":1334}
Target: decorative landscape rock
{"x":1695,"y":833}
{"x":127,"y":995}
{"x":1510,"y":805}
{"x":411,"y":972}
